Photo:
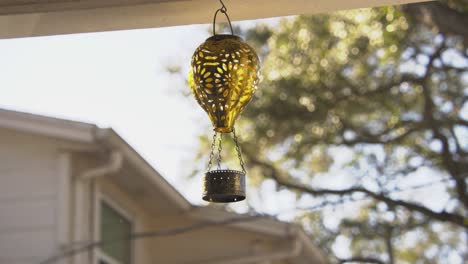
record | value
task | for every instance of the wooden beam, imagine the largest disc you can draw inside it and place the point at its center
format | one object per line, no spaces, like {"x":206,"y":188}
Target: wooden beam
{"x":26,"y":18}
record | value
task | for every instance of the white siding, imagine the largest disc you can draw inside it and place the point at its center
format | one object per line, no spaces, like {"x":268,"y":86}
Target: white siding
{"x":28,"y":191}
{"x":41,"y":212}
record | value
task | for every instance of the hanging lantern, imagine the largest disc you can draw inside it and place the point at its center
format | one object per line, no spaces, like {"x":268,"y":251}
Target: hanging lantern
{"x":223,"y":78}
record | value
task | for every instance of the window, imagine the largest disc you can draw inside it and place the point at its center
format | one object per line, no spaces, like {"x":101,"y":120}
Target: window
{"x":114,"y":228}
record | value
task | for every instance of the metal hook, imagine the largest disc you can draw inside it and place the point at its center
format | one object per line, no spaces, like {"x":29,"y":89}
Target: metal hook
{"x":223,"y":10}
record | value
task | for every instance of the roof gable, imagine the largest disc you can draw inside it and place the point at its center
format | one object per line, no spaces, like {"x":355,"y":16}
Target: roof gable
{"x":147,"y":177}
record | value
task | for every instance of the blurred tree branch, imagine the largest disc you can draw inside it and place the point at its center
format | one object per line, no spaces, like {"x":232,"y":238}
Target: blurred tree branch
{"x":281,"y":179}
{"x":361,"y":260}
{"x":447,"y":19}
{"x":388,"y":86}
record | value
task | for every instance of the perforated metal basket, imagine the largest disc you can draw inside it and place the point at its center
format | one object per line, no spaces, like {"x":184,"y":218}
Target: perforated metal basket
{"x":224,"y":186}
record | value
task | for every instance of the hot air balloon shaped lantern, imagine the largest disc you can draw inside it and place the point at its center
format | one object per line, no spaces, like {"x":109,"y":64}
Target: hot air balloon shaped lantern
{"x":223,"y":78}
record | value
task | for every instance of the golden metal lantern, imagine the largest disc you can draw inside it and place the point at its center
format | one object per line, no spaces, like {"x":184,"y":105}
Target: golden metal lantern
{"x":223,"y":78}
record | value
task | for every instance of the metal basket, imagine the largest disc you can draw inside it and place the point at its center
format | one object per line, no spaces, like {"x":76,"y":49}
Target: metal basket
{"x":224,"y":186}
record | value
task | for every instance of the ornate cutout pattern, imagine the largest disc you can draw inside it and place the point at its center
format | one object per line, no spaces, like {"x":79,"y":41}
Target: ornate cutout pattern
{"x":223,"y":78}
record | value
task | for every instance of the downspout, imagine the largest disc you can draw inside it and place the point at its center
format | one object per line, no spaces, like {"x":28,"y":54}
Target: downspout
{"x":287,"y":253}
{"x":113,"y":166}
{"x":86,"y":180}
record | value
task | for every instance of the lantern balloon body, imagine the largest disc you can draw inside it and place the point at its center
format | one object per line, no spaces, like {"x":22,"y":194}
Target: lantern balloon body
{"x":223,"y":78}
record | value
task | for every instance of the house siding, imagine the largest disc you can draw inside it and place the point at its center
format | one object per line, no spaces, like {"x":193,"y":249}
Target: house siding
{"x":46,"y":206}
{"x":38,"y":219}
{"x":28,"y":178}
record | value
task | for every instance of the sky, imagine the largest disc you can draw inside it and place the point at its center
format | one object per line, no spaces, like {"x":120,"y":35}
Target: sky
{"x":120,"y":80}
{"x":113,"y":79}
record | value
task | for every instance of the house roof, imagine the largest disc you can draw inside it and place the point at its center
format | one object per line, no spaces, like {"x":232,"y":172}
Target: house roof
{"x":106,"y":138}
{"x":26,"y":18}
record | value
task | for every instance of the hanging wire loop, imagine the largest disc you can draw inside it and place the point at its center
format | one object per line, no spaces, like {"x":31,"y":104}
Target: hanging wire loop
{"x":223,"y":10}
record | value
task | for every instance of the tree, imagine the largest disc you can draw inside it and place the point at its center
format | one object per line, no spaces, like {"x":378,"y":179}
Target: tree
{"x":385,"y":90}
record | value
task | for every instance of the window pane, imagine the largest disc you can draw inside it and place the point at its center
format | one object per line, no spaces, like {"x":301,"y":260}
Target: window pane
{"x":115,"y":229}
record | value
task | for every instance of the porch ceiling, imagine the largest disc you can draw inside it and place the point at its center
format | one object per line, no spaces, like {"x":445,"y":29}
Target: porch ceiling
{"x":25,"y":18}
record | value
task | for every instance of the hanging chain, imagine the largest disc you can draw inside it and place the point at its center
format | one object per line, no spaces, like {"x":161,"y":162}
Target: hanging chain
{"x":220,"y":148}
{"x":239,"y":153}
{"x":223,"y":10}
{"x":210,"y":162}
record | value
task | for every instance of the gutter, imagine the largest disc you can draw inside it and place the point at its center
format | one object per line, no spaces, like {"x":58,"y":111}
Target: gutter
{"x":275,"y":255}
{"x":264,"y":226}
{"x":82,"y":186}
{"x":84,"y":200}
{"x":112,"y":140}
{"x":113,"y":166}
{"x":271,"y":256}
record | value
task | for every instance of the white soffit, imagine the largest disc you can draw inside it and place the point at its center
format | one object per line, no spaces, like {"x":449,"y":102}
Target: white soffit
{"x":26,"y":18}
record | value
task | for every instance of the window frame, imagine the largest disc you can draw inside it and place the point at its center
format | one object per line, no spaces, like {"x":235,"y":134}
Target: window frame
{"x":112,"y":203}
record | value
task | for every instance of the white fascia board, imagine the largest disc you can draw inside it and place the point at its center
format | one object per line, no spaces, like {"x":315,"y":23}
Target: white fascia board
{"x":89,"y":134}
{"x":47,"y":126}
{"x":113,"y":141}
{"x":67,"y":17}
{"x":263,"y":225}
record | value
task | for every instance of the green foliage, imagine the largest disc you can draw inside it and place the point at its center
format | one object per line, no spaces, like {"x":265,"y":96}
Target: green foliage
{"x":390,"y":88}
